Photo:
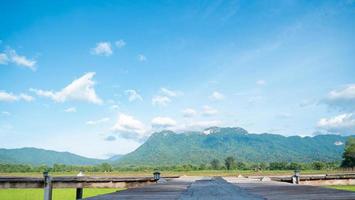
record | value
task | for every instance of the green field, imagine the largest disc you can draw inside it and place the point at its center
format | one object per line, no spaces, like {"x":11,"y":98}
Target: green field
{"x":343,"y":187}
{"x":58,"y":194}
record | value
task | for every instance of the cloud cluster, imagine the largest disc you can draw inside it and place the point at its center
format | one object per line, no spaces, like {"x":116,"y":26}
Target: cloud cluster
{"x":209,"y":111}
{"x":9,"y":97}
{"x":105,"y":48}
{"x":11,"y":56}
{"x":142,"y":58}
{"x":128,"y":127}
{"x":216,"y":96}
{"x":342,"y":124}
{"x":102,"y":48}
{"x":163,"y":122}
{"x":165,"y":97}
{"x":70,"y":110}
{"x":343,"y":98}
{"x":81,"y":89}
{"x":189,"y":112}
{"x":120,"y":43}
{"x":133,"y":95}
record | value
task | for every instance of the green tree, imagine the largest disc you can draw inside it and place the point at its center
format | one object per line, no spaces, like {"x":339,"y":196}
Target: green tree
{"x":349,"y":153}
{"x":241,"y":165}
{"x":294,"y":166}
{"x":318,"y":165}
{"x":215,"y":164}
{"x":202,"y":166}
{"x":105,"y":167}
{"x":230,"y":163}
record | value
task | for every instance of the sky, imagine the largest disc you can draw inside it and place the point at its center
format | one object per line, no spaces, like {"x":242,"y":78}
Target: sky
{"x":96,"y":78}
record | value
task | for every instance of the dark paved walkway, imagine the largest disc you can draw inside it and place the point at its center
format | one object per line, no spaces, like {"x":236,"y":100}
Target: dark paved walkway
{"x":207,"y":188}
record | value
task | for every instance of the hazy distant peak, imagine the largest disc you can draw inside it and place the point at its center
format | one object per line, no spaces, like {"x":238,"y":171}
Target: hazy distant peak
{"x":165,"y":132}
{"x":215,"y":129}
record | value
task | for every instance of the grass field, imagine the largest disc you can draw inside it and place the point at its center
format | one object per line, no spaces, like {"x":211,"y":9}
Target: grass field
{"x":343,"y":187}
{"x":58,"y":194}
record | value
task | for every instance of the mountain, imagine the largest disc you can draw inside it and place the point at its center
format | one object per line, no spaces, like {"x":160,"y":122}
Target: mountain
{"x":114,"y":158}
{"x":169,"y":148}
{"x":36,"y":156}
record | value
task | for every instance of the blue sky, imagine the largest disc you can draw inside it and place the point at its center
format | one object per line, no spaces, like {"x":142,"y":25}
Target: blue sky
{"x":96,"y":78}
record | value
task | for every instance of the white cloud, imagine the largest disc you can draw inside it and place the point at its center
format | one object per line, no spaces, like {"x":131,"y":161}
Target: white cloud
{"x":338,"y":143}
{"x":99,"y":121}
{"x":11,"y":56}
{"x":343,"y":98}
{"x":199,"y":125}
{"x":9,"y":97}
{"x":343,"y":124}
{"x":70,"y":110}
{"x":165,"y":96}
{"x":142,"y":58}
{"x":4,"y":96}
{"x":25,"y":97}
{"x":209,"y":111}
{"x":120,"y":43}
{"x":217,"y":96}
{"x":163,"y":122}
{"x":5,"y":113}
{"x":189,"y":112}
{"x":161,"y":100}
{"x":261,"y":82}
{"x":4,"y":59}
{"x":102,"y":48}
{"x":21,"y":60}
{"x":130,"y":128}
{"x":81,"y":89}
{"x":133,"y":95}
{"x":169,"y":93}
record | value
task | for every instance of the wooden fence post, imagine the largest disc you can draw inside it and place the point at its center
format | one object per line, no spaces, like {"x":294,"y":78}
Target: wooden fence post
{"x":79,"y":193}
{"x":47,"y":186}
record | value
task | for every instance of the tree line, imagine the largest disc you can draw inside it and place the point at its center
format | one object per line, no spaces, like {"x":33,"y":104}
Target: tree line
{"x":229,"y":163}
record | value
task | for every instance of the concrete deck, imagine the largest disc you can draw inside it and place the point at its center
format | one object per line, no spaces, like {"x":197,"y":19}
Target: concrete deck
{"x":228,"y":188}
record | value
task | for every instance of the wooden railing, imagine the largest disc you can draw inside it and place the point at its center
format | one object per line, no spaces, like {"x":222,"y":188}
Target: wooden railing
{"x":78,"y":182}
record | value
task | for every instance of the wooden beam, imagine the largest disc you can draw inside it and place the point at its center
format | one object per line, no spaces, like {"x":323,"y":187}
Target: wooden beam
{"x":77,"y":182}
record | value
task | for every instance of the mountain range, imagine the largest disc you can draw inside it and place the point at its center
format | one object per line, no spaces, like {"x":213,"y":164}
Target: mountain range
{"x":170,"y":148}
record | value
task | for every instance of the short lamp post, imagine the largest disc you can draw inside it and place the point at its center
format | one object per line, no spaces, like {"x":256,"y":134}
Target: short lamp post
{"x":156,"y":175}
{"x":297,"y":177}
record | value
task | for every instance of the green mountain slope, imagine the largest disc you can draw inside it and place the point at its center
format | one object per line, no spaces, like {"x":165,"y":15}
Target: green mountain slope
{"x":169,"y":148}
{"x":36,"y":156}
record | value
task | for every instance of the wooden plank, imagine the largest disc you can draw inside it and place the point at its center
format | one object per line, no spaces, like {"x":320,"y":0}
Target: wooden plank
{"x":172,"y":189}
{"x":280,"y":191}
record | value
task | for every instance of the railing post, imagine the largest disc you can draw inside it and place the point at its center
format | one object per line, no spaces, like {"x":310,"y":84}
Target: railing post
{"x":156,"y":175}
{"x":47,"y":186}
{"x":296,"y":177}
{"x":79,"y":193}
